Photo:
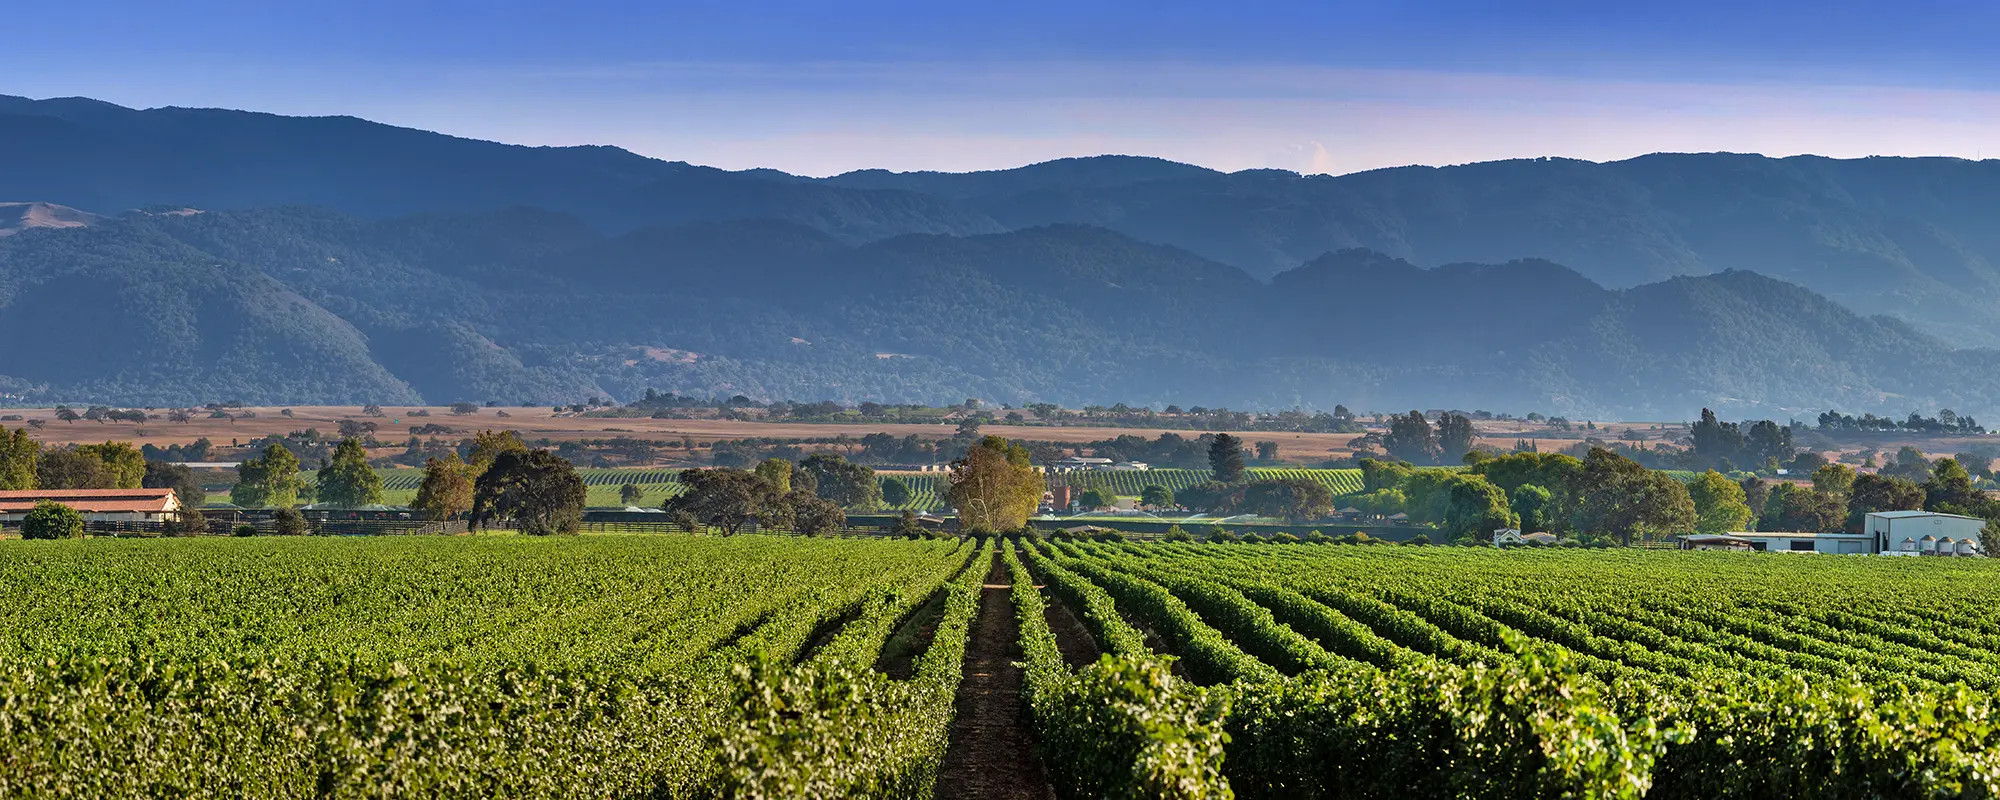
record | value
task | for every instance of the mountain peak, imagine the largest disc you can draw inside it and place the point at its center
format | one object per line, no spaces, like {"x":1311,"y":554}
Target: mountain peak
{"x":18,"y":217}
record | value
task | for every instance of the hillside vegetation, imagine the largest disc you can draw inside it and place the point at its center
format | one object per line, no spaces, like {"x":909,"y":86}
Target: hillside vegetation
{"x":338,"y":260}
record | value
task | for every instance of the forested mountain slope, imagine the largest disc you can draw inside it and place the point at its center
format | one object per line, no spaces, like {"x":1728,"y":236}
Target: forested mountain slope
{"x":300,"y":304}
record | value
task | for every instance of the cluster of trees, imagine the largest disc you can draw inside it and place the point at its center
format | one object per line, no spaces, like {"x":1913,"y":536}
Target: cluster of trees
{"x":1729,"y":446}
{"x":1603,"y":493}
{"x":1413,"y":439}
{"x":809,"y":497}
{"x":1168,"y":450}
{"x":1947,"y":422}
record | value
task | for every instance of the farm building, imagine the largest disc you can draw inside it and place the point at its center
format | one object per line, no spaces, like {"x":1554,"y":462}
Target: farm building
{"x":1924,"y":533}
{"x":1900,"y":533}
{"x":1715,"y":541}
{"x":96,"y":505}
{"x":1771,"y":541}
{"x":1073,"y":463}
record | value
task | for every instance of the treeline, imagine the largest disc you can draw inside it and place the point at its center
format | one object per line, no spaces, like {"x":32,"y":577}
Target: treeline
{"x":1946,"y":422}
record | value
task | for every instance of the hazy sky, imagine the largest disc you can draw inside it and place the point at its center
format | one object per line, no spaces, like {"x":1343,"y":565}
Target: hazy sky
{"x":823,"y":87}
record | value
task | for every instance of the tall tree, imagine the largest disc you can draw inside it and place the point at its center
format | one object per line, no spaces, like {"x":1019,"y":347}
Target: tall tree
{"x":728,"y":499}
{"x":1719,"y":505}
{"x":73,"y":468}
{"x":347,"y":481}
{"x":126,"y":464}
{"x":1874,"y":492}
{"x":1475,"y":507}
{"x":1225,"y":458}
{"x":630,"y":494}
{"x":178,"y":477}
{"x":778,"y":473}
{"x":446,"y":490}
{"x":537,"y":489}
{"x":844,"y":482}
{"x":1156,"y":496}
{"x":488,"y":445}
{"x":1950,"y":489}
{"x":1714,"y":442}
{"x":1834,"y":480}
{"x":1410,"y":439}
{"x":1797,"y":508}
{"x":1532,"y":504}
{"x":270,"y":480}
{"x":19,"y":456}
{"x":1618,"y":496}
{"x":994,"y":487}
{"x":1454,"y":438}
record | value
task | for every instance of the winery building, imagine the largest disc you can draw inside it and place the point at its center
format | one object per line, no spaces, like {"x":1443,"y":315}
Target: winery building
{"x":96,"y":505}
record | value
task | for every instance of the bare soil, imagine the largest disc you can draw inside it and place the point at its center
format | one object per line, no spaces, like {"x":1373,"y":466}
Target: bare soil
{"x":992,"y":753}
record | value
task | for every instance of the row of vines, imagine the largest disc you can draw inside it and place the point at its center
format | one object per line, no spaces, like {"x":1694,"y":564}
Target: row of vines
{"x":1344,"y":671}
{"x":578,"y":667}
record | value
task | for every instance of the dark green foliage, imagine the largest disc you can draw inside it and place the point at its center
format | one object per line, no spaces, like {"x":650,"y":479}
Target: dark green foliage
{"x":1225,"y":458}
{"x":51,"y":520}
{"x":181,"y":479}
{"x":844,"y":482}
{"x":895,"y":492}
{"x":535,"y":489}
{"x":289,"y":522}
{"x":348,"y":481}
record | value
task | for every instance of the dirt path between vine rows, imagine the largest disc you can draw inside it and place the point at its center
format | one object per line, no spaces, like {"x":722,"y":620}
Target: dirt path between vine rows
{"x":992,"y":753}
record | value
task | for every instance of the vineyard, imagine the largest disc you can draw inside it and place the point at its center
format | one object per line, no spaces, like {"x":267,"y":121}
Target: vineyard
{"x":675,"y":666}
{"x":579,"y":667}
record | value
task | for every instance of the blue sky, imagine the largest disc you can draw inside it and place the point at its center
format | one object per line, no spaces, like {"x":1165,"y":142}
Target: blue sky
{"x":821,"y":87}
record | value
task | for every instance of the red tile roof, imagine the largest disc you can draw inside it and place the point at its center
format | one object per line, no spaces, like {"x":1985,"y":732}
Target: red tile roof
{"x":90,"y":501}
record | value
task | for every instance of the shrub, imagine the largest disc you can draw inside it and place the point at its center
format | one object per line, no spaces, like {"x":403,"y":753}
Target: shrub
{"x":246,"y":529}
{"x":1252,"y":538}
{"x":52,"y":520}
{"x":1419,"y":539}
{"x":1282,"y":537}
{"x":1221,"y":534}
{"x":1177,"y":534}
{"x":290,"y":522}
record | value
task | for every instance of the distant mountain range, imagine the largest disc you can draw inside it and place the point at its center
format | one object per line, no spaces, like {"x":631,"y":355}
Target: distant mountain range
{"x":176,"y":256}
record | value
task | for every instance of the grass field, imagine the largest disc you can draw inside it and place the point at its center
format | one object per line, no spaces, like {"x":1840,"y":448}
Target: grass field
{"x":678,"y":666}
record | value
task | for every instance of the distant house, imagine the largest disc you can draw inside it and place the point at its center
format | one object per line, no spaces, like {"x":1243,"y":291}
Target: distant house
{"x":1506,"y":536}
{"x":1539,"y":537}
{"x":96,"y":505}
{"x":1348,"y":514}
{"x":1128,"y":466}
{"x":1399,"y":518}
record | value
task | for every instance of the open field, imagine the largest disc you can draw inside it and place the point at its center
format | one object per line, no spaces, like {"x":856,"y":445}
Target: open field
{"x":541,"y":422}
{"x":680,"y":666}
